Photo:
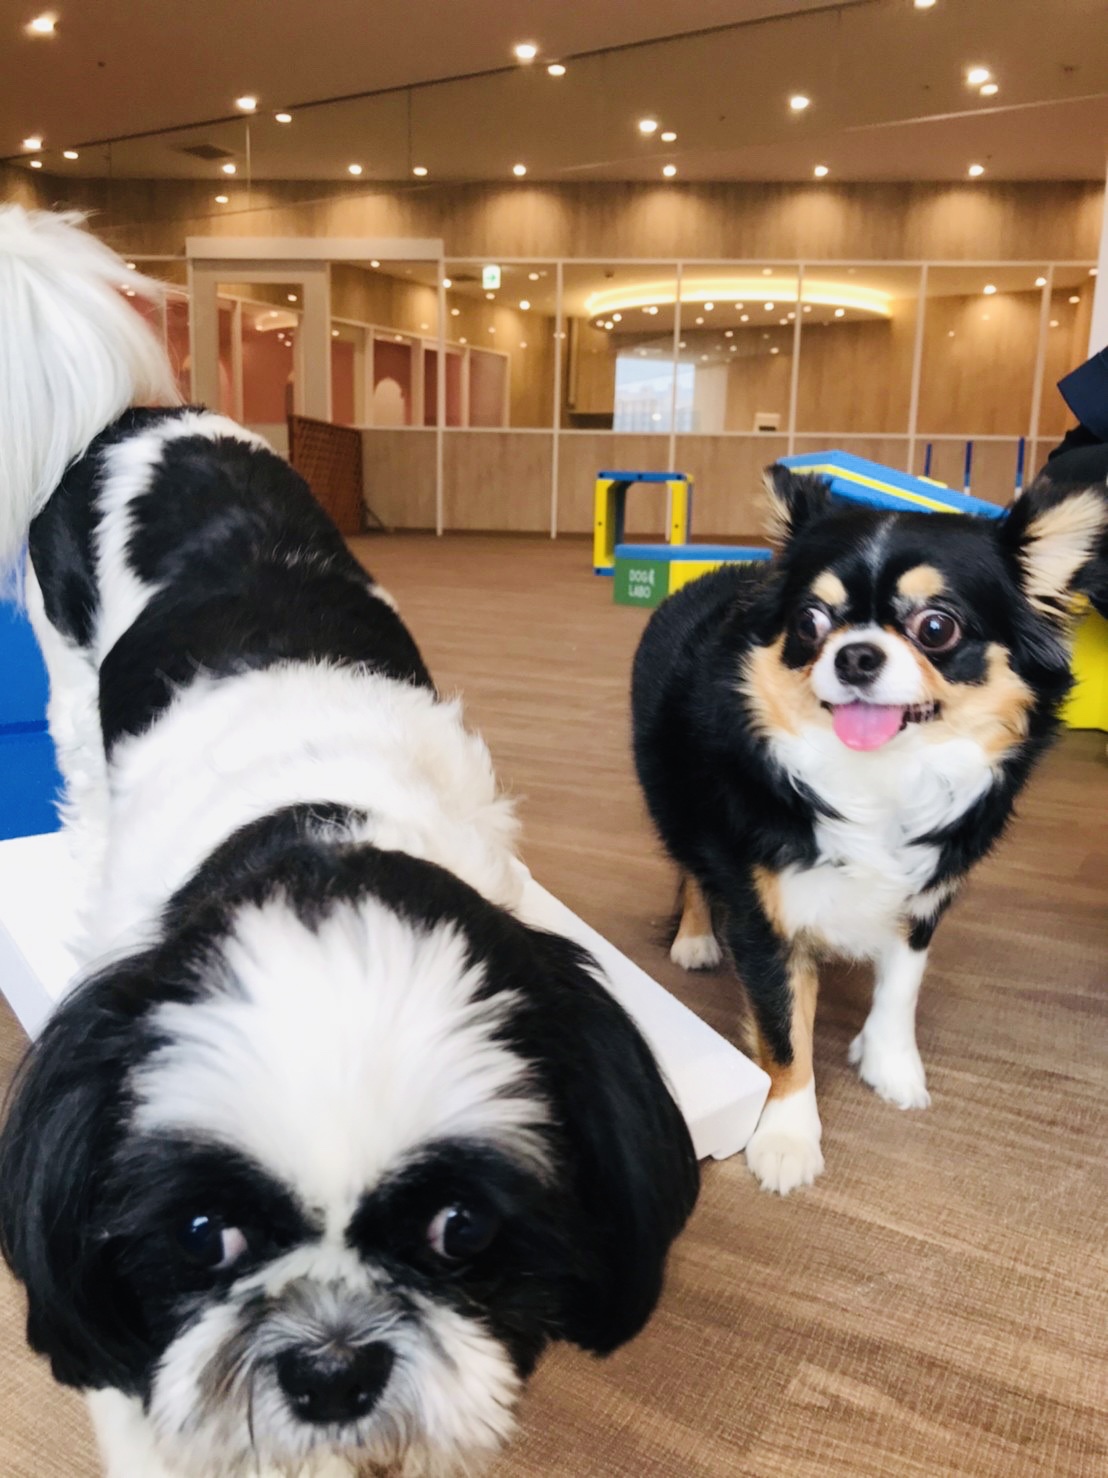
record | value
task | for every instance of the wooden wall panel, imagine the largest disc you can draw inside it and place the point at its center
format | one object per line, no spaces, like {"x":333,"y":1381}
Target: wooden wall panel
{"x":21,"y":187}
{"x":980,"y":221}
{"x":582,"y":454}
{"x":497,"y":480}
{"x":728,"y":501}
{"x":398,"y":470}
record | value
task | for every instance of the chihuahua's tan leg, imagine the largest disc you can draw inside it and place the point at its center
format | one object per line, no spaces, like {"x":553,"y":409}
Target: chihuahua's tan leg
{"x":695,"y":946}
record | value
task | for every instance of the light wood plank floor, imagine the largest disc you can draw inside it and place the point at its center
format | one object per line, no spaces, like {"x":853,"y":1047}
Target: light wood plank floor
{"x":938,"y":1303}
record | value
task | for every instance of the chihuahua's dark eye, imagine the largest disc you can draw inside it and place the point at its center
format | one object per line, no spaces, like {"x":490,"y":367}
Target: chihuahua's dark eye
{"x":812,"y":625}
{"x":207,"y":1243}
{"x":461,"y":1232}
{"x":934,"y":631}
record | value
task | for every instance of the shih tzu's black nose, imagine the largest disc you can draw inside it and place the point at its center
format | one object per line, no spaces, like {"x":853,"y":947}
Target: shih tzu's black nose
{"x":334,"y":1387}
{"x":859,"y":663}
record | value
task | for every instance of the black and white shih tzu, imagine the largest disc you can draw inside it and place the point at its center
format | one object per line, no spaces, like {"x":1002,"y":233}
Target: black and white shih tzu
{"x":328,"y":1144}
{"x":828,"y":745}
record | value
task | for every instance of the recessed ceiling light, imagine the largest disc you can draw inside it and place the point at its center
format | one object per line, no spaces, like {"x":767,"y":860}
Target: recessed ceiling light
{"x":1040,"y":282}
{"x":669,"y":170}
{"x":524,"y":304}
{"x":769,"y":307}
{"x":728,"y":333}
{"x":798,"y":102}
{"x":648,"y":125}
{"x":821,"y":171}
{"x":669,"y":137}
{"x":70,"y":154}
{"x":1092,"y":271}
{"x":556,"y":69}
{"x":292,"y":297}
{"x":783,"y":322}
{"x":975,"y":171}
{"x":42,"y":25}
{"x":977,"y":76}
{"x":247,"y":103}
{"x":617,"y":317}
{"x":33,"y":141}
{"x":775,"y":350}
{"x":532,"y":277}
{"x":523,"y":343}
{"x":36,"y":163}
{"x":989,"y":289}
{"x":526,"y":51}
{"x":990,"y":90}
{"x":463,"y":341}
{"x":492,"y":330}
{"x":229,"y":168}
{"x":744,"y":317}
{"x":734,"y":348}
{"x":128,"y":292}
{"x":132,"y":266}
{"x":448,"y":282}
{"x":419,"y":170}
{"x":519,"y":170}
{"x":1054,"y":323}
{"x":283,"y":117}
{"x":807,"y":307}
{"x":1075,"y":298}
{"x":767,"y":271}
{"x":354,"y":168}
{"x":490,"y":296}
{"x":375,"y":263}
{"x":222,"y":199}
{"x":455,"y":312}
{"x":334,"y":333}
{"x":840,"y":312}
{"x":699,"y":321}
{"x":923,"y":4}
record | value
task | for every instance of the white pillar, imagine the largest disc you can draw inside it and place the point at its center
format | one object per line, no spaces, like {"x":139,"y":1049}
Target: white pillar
{"x":1098,"y":329}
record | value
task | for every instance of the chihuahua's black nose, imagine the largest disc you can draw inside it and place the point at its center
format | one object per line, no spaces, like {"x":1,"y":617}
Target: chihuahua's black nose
{"x":338,"y":1388}
{"x":859,"y":663}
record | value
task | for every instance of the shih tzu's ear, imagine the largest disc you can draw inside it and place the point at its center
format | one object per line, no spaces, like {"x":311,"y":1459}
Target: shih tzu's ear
{"x":1058,"y":538}
{"x":64,"y":1110}
{"x":794,"y":499}
{"x":636,"y":1173}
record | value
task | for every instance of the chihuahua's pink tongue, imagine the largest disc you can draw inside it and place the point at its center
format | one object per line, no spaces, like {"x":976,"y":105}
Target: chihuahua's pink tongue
{"x":866,"y":725}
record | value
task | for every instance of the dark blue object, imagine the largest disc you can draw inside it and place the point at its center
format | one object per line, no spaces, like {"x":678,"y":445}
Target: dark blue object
{"x":1085,"y":391}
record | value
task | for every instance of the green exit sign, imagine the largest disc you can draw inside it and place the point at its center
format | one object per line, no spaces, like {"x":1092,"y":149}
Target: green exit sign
{"x":490,"y":279}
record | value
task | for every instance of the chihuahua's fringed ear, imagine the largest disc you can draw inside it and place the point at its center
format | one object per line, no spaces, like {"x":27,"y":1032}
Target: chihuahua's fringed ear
{"x":1059,"y":539}
{"x":794,"y":500}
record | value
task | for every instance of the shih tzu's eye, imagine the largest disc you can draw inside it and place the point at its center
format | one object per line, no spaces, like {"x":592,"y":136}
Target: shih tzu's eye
{"x":812,"y":625}
{"x":209,"y":1244}
{"x":461,"y":1232}
{"x":934,"y":631}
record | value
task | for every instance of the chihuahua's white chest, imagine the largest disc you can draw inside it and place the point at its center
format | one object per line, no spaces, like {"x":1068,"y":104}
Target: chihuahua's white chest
{"x":881,"y":807}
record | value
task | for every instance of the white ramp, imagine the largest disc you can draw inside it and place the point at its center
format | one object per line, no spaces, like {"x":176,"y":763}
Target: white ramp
{"x":720,"y":1091}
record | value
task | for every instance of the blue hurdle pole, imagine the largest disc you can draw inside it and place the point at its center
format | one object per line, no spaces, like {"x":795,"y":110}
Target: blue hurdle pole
{"x":967,"y":475}
{"x":1021,"y":452}
{"x":927,"y":458}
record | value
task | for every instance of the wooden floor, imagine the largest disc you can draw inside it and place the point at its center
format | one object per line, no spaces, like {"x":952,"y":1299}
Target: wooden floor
{"x":938,"y":1303}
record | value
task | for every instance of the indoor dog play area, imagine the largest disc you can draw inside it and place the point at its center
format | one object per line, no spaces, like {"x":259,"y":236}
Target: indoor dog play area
{"x":554,"y":740}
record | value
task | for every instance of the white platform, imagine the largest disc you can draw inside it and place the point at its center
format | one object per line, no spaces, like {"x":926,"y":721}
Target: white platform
{"x":720,"y":1091}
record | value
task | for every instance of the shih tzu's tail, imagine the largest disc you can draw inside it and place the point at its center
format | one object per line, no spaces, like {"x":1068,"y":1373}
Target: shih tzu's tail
{"x":74,"y":355}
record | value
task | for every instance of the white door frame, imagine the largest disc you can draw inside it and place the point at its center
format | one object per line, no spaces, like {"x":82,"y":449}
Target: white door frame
{"x":306,"y":263}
